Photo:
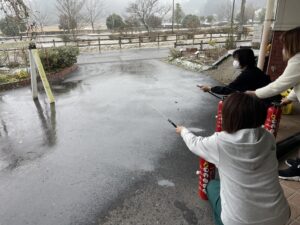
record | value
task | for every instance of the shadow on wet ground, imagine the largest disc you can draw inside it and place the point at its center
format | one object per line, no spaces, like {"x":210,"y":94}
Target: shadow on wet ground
{"x":11,"y":157}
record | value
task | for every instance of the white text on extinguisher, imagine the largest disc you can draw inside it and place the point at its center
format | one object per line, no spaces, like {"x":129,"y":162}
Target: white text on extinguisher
{"x":205,"y":176}
{"x":273,"y":123}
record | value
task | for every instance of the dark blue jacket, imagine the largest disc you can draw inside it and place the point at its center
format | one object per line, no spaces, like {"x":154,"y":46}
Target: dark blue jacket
{"x":250,"y":79}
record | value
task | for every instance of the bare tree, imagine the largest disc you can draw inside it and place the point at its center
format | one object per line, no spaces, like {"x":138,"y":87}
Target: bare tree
{"x":38,"y":15}
{"x":225,"y":10}
{"x":15,"y":8}
{"x":131,"y":24}
{"x":41,"y":19}
{"x":94,"y":9}
{"x":261,"y":14}
{"x":71,"y":10}
{"x":178,"y":14}
{"x":143,"y":10}
{"x":250,"y":12}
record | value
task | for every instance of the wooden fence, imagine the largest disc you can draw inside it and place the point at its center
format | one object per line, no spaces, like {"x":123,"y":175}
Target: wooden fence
{"x":16,"y":51}
{"x":143,"y":41}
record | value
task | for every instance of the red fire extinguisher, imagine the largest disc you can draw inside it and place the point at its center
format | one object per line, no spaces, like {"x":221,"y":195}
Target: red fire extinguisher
{"x":273,"y":118}
{"x":219,"y":117}
{"x":207,"y":170}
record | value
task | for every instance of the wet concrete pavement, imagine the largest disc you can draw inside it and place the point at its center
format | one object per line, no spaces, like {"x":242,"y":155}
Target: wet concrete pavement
{"x":103,"y":155}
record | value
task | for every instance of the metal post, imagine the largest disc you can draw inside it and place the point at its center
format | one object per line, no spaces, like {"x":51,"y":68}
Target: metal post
{"x":173,"y":18}
{"x":7,"y":54}
{"x":120,"y":42}
{"x":37,"y":60}
{"x":53,"y":43}
{"x":232,"y":18}
{"x":158,"y":40}
{"x":241,"y":23}
{"x":33,"y":75}
{"x":99,"y":43}
{"x":140,"y":41}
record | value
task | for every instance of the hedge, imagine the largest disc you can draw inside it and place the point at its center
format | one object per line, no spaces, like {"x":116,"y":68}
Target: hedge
{"x":57,"y":58}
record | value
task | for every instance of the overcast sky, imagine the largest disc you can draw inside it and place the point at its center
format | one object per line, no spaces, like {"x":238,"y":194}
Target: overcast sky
{"x":189,"y":6}
{"x":198,"y":7}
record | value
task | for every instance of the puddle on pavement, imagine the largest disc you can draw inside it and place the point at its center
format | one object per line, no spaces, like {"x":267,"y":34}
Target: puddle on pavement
{"x":64,"y":86}
{"x":134,"y":68}
{"x":15,"y":151}
{"x":195,"y":129}
{"x":166,"y":183}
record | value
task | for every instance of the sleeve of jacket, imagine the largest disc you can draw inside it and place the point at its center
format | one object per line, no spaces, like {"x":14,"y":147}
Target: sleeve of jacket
{"x":292,"y":96}
{"x":205,"y":147}
{"x":289,"y":78}
{"x":237,"y":85}
{"x":222,"y":90}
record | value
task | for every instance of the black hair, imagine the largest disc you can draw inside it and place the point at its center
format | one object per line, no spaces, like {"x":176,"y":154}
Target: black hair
{"x":241,"y":111}
{"x":245,"y":56}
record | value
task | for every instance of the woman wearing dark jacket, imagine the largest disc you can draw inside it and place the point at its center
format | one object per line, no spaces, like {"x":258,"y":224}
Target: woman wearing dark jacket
{"x":251,"y":77}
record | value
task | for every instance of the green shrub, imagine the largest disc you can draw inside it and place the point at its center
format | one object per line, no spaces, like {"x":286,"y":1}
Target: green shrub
{"x":212,"y":43}
{"x":18,"y":76}
{"x":65,"y":38}
{"x":57,"y":58}
{"x":23,"y":74}
{"x":5,"y":78}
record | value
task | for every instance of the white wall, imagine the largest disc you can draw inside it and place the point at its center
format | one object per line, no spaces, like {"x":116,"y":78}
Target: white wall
{"x":288,"y":15}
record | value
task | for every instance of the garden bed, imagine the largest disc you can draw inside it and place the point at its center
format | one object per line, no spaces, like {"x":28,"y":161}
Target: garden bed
{"x":194,"y":59}
{"x":55,"y":76}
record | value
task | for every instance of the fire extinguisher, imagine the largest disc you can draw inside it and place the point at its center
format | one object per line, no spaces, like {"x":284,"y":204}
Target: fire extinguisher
{"x":219,"y":117}
{"x":273,"y":118}
{"x":206,"y":169}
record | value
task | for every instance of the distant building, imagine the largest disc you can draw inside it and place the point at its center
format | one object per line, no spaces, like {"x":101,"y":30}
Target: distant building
{"x":169,"y":25}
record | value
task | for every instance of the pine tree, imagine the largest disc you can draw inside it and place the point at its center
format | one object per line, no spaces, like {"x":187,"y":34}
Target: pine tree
{"x":178,"y":14}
